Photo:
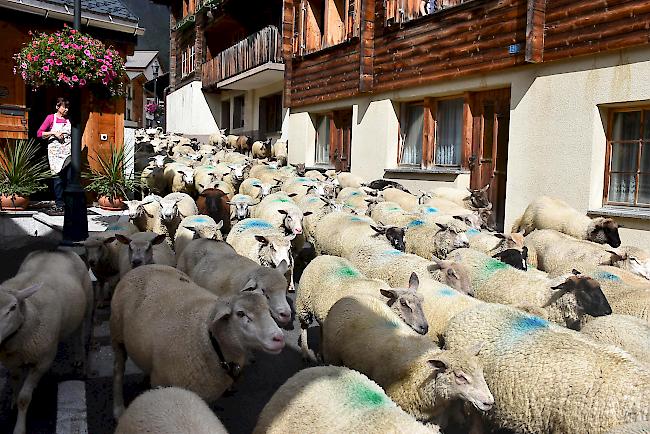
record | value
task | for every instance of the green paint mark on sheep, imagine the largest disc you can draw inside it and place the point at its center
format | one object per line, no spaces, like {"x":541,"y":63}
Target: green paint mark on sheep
{"x":393,"y":208}
{"x":363,"y":396}
{"x":392,"y":252}
{"x":605,"y":275}
{"x":492,"y":266}
{"x":347,"y":272}
{"x":313,"y":199}
{"x":209,"y":167}
{"x":281,"y":200}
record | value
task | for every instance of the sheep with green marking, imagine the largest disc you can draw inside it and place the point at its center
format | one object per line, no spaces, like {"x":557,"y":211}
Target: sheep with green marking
{"x":281,"y":211}
{"x":335,"y":399}
{"x":363,"y":333}
{"x":338,"y":232}
{"x":390,"y":213}
{"x":404,"y":200}
{"x":548,"y":379}
{"x":624,"y":331}
{"x":565,"y":300}
{"x":327,"y":279}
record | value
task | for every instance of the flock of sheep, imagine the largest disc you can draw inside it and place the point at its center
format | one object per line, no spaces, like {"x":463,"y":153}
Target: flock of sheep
{"x":430,"y":321}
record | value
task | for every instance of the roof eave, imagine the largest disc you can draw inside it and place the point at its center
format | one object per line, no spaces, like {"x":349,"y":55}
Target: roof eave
{"x":64,"y":14}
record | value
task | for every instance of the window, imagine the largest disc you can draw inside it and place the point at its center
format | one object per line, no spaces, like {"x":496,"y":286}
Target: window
{"x":184,"y":63}
{"x":400,"y":11}
{"x":225,"y":114}
{"x":238,"y":112}
{"x":322,"y":124}
{"x":431,"y":133}
{"x":190,"y":59}
{"x":322,"y":23}
{"x":627,"y":175}
{"x":187,"y":60}
{"x":270,"y":117}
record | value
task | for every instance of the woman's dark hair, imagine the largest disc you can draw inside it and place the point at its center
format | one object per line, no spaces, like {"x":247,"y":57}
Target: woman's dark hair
{"x":62,"y":101}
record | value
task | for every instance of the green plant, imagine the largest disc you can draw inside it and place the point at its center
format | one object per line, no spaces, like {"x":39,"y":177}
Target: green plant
{"x":22,"y":172}
{"x":110,"y":180}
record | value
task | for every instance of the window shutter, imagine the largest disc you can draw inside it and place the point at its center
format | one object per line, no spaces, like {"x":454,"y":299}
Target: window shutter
{"x":354,"y":19}
{"x":303,"y":26}
{"x":390,"y":12}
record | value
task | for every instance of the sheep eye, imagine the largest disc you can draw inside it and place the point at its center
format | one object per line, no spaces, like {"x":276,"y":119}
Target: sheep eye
{"x":404,"y":303}
{"x":12,"y":308}
{"x":240,"y":313}
{"x":461,"y":379}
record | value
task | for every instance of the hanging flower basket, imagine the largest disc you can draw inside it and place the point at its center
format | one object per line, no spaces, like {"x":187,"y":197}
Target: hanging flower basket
{"x":153,"y":109}
{"x":70,"y":58}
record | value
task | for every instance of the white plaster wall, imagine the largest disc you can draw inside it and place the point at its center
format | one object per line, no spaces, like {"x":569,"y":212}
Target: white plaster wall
{"x":302,"y":139}
{"x":190,"y":111}
{"x":557,"y":126}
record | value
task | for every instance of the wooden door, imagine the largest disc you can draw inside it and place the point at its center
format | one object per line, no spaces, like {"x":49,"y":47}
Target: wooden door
{"x":490,"y":112}
{"x":13,"y":116}
{"x":341,"y":139}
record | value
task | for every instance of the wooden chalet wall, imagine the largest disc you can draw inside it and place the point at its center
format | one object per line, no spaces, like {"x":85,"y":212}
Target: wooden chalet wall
{"x":480,"y":36}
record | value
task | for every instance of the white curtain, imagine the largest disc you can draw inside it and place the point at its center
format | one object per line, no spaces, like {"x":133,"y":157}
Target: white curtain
{"x":449,"y":133}
{"x":323,"y":140}
{"x":412,"y":146}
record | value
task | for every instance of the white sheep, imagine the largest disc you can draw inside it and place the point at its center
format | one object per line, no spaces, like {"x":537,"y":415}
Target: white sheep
{"x":261,"y":149}
{"x":179,"y":178}
{"x":391,"y":214}
{"x":155,"y":305}
{"x":255,"y":188}
{"x":427,"y":239}
{"x":364,"y":334}
{"x":327,"y":279}
{"x":145,"y":213}
{"x":279,"y":151}
{"x":469,"y":198}
{"x":551,"y":213}
{"x":339,"y":232}
{"x":196,"y":226}
{"x":153,"y":179}
{"x":217,"y":267}
{"x":334,"y":399}
{"x":45,"y":302}
{"x":144,"y":248}
{"x":205,"y":177}
{"x":565,"y":300}
{"x":632,"y":428}
{"x":280,"y":210}
{"x":347,"y":179}
{"x":624,"y":331}
{"x":404,"y":200}
{"x":169,"y":410}
{"x":173,"y":209}
{"x":547,"y":378}
{"x":240,"y":206}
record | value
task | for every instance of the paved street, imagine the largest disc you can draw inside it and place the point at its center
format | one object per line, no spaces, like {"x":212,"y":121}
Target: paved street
{"x":61,"y":398}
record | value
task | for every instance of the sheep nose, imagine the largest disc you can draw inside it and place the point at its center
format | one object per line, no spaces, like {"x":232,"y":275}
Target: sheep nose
{"x":284,"y":316}
{"x":424,"y":329}
{"x":297,"y":231}
{"x":278,"y":337}
{"x":136,"y":262}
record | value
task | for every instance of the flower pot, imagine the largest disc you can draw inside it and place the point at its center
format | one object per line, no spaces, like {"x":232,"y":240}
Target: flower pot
{"x":106,"y":203}
{"x":14,"y":202}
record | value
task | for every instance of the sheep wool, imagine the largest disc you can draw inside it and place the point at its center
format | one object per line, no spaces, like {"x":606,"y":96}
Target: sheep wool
{"x":169,"y":410}
{"x":335,"y":399}
{"x":550,"y":379}
{"x":624,"y":331}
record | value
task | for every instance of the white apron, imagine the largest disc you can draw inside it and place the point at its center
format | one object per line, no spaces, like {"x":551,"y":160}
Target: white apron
{"x":59,"y":151}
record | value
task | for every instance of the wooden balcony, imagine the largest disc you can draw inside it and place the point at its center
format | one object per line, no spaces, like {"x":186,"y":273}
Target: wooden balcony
{"x":253,"y":62}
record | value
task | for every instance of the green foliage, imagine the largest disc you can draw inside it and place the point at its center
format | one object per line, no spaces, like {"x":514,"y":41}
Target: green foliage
{"x":22,"y":172}
{"x":111,"y":180}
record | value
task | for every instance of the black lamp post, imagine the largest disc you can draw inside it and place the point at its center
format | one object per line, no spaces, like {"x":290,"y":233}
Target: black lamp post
{"x":155,"y":67}
{"x":75,"y":220}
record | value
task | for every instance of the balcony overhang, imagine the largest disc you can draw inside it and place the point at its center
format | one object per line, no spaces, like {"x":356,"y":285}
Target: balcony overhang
{"x":255,"y":78}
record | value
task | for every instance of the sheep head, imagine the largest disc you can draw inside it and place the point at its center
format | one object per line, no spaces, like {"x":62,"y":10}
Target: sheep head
{"x":12,"y":308}
{"x":141,"y":249}
{"x":604,"y":231}
{"x":454,"y":274}
{"x":274,"y":249}
{"x":407,"y":304}
{"x":587,"y":292}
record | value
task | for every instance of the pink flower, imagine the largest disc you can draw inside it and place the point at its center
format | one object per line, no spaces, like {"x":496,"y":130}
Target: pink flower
{"x":104,"y":68}
{"x":46,"y":68}
{"x":53,"y":54}
{"x":70,"y":56}
{"x":75,"y":78}
{"x":58,"y":62}
{"x":66,"y":79}
{"x":82,"y":82}
{"x":24,"y":75}
{"x":23,"y":65}
{"x":87,"y":52}
{"x":49,"y":62}
{"x":36,"y":58}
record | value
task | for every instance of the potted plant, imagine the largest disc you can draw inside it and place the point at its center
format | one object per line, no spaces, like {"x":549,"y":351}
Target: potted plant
{"x":71,"y":58}
{"x":22,"y":173}
{"x":110,"y":182}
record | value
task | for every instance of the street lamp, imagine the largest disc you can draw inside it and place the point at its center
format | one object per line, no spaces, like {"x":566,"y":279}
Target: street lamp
{"x":155,"y":67}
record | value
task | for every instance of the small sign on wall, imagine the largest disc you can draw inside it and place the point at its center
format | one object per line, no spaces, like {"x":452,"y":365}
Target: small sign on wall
{"x":103,"y":137}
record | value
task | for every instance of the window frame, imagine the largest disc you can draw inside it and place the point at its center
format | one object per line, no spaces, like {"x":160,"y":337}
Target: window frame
{"x":397,"y":12}
{"x":242,"y":112}
{"x":351,"y":22}
{"x":430,"y":133}
{"x":608,"y":155}
{"x":329,"y":119}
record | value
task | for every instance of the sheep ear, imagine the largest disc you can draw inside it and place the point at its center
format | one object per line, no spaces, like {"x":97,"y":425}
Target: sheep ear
{"x":501,"y":236}
{"x":379,"y":230}
{"x":438,"y":364}
{"x":442,"y":226}
{"x":219,"y":225}
{"x":390,"y":294}
{"x":251,"y":285}
{"x":452,"y":273}
{"x":262,"y":239}
{"x":308,"y":213}
{"x":110,"y":240}
{"x":484,"y":189}
{"x":414,"y":282}
{"x":28,"y":292}
{"x":433,"y":267}
{"x":475,"y":349}
{"x":575,"y":272}
{"x":159,"y":239}
{"x":282,"y":267}
{"x":292,"y":194}
{"x":283,"y":211}
{"x":121,"y":238}
{"x":222,"y":311}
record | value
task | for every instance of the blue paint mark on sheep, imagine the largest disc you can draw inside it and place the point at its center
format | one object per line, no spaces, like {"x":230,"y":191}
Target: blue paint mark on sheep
{"x":447,"y":292}
{"x":605,"y":275}
{"x":313,"y":199}
{"x":392,"y":252}
{"x":523,"y":326}
{"x":116,"y":227}
{"x":415,"y":223}
{"x":472,"y":232}
{"x":429,"y":210}
{"x":199,"y":219}
{"x":256,"y":183}
{"x":354,"y":193}
{"x":254,"y":224}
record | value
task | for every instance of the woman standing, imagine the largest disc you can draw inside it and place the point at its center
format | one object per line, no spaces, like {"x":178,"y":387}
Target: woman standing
{"x":56,"y":130}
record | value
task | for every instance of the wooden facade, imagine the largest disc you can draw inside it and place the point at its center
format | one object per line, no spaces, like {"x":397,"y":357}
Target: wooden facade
{"x":475,"y":37}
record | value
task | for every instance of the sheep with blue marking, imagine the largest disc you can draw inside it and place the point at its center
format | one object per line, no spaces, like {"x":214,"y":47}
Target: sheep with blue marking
{"x":281,"y":211}
{"x":556,"y":253}
{"x":338,"y":232}
{"x":335,"y":399}
{"x":390,"y":213}
{"x":565,"y":300}
{"x":241,"y":206}
{"x":630,"y":333}
{"x":547,"y":378}
{"x":206,"y":176}
{"x":327,"y":279}
{"x":427,"y":239}
{"x":363,"y":333}
{"x":404,"y":200}
{"x":256,"y":189}
{"x":196,"y":226}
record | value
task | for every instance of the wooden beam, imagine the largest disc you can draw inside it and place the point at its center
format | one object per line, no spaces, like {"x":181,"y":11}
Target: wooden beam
{"x":535,"y":22}
{"x":366,"y":14}
{"x":429,"y":132}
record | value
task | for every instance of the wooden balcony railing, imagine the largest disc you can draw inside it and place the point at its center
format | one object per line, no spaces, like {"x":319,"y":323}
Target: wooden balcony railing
{"x":257,"y":49}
